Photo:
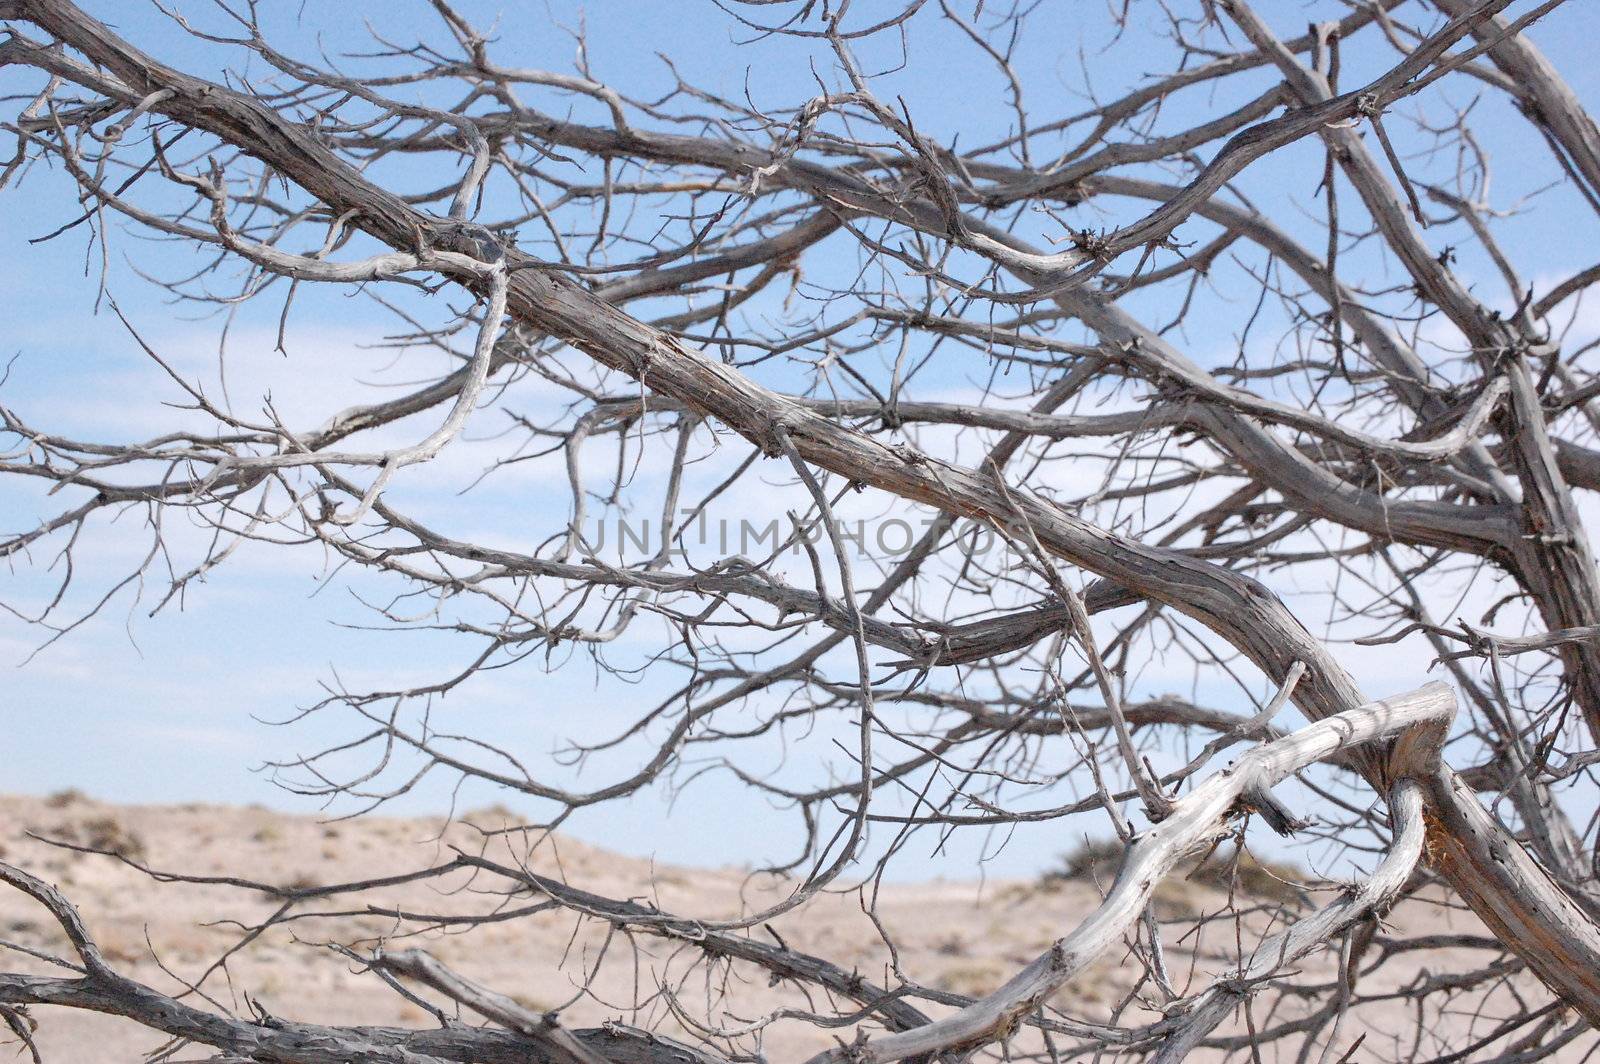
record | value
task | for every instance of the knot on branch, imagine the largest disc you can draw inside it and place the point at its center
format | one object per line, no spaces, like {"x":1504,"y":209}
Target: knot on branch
{"x":908,"y":454}
{"x":471,"y":239}
{"x":1091,"y":243}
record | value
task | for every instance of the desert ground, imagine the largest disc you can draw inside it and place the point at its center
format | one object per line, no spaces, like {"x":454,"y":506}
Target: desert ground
{"x":955,"y":937}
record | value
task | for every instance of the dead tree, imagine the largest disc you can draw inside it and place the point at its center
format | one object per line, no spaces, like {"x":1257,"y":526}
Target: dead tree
{"x":733,"y":302}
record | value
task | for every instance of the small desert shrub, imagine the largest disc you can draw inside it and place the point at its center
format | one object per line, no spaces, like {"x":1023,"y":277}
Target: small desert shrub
{"x":1093,"y":860}
{"x":300,"y":881}
{"x":1273,"y":880}
{"x":62,"y":799}
{"x":110,"y":835}
{"x":1097,"y":861}
{"x":492,"y":814}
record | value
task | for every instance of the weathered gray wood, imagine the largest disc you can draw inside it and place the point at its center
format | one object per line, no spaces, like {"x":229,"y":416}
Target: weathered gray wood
{"x":1529,"y":522}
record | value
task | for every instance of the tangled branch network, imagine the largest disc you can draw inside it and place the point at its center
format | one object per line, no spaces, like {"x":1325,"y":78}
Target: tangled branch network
{"x":1238,"y":375}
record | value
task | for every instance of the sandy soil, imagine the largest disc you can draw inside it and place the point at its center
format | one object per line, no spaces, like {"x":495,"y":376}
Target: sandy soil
{"x":957,"y":937}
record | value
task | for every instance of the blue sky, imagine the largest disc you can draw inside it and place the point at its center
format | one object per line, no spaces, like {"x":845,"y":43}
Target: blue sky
{"x":176,"y":707}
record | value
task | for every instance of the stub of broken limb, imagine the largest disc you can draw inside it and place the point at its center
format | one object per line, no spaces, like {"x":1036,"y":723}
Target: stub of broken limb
{"x":1262,"y":802}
